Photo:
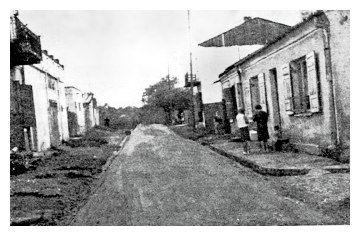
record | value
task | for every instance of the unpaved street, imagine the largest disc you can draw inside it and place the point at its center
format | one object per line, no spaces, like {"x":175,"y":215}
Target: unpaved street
{"x":160,"y":178}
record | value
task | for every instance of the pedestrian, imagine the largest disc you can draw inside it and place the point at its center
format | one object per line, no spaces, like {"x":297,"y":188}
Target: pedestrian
{"x":107,"y":122}
{"x":243,"y":130}
{"x":261,"y":119}
{"x":217,"y":123}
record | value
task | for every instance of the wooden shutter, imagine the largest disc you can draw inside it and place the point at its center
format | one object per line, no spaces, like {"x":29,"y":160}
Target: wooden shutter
{"x":227,"y":95}
{"x":313,"y":91}
{"x":262,"y":91}
{"x":240,"y":94}
{"x":285,"y":71}
{"x":247,"y":98}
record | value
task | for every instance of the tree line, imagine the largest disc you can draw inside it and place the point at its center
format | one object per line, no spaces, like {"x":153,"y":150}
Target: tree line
{"x":163,"y":103}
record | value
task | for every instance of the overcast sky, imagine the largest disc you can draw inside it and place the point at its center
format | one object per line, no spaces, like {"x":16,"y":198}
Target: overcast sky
{"x":117,"y":54}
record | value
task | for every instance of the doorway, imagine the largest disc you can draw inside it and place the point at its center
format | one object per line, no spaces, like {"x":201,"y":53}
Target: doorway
{"x":254,"y":92}
{"x":54,"y":124}
{"x":275,"y":97}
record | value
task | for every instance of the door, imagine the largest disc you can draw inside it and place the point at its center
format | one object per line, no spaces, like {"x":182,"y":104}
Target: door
{"x":54,"y":124}
{"x":231,"y":104}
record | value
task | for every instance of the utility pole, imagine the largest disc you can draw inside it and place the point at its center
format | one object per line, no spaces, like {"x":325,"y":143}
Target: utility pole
{"x":191,"y":77}
{"x":171,"y":105}
{"x":168,"y":76}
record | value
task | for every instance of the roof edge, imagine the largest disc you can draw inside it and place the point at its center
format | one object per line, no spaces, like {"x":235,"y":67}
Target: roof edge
{"x":241,"y":61}
{"x":255,"y":18}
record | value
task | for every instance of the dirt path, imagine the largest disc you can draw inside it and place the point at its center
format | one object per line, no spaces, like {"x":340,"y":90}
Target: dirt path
{"x":160,"y":178}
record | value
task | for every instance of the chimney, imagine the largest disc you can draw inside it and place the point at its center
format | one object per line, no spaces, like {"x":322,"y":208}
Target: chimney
{"x":247,"y":18}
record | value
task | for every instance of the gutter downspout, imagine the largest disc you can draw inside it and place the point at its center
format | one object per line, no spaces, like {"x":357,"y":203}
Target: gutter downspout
{"x":328,"y":64}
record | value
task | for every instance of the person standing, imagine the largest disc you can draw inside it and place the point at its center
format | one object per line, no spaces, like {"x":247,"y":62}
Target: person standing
{"x":107,"y":122}
{"x":243,"y":130}
{"x":217,"y":123}
{"x":261,"y":119}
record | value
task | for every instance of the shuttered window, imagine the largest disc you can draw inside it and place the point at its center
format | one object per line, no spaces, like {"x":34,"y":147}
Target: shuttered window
{"x":301,"y":85}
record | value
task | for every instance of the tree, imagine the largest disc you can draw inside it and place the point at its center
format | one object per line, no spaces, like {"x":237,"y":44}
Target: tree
{"x":164,"y":95}
{"x":120,"y":118}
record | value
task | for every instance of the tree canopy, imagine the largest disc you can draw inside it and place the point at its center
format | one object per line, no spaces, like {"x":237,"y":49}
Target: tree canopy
{"x":166,"y":96}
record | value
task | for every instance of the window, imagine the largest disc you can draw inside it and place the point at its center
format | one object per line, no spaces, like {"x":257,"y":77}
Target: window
{"x":298,"y":75}
{"x":301,"y":86}
{"x":258,"y":91}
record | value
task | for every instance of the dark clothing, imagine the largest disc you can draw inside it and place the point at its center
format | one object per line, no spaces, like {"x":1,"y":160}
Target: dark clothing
{"x":278,"y":146}
{"x":218,"y":119}
{"x":261,"y":119}
{"x":107,"y":122}
{"x":243,"y":134}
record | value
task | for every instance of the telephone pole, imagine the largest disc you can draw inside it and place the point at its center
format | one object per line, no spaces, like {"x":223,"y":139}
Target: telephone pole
{"x":191,"y":77}
{"x":171,"y":104}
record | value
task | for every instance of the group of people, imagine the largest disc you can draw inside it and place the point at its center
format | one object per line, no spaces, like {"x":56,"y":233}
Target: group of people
{"x":261,"y":119}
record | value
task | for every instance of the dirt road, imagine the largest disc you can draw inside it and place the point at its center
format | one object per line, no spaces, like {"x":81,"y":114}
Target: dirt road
{"x":160,"y":178}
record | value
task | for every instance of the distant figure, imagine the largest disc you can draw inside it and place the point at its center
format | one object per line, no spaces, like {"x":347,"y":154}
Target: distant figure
{"x":107,"y":122}
{"x":261,"y":119}
{"x":243,"y":131}
{"x":182,"y":119}
{"x":217,"y":123}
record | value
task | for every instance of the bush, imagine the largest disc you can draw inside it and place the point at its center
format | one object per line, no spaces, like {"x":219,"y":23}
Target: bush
{"x":22,"y":162}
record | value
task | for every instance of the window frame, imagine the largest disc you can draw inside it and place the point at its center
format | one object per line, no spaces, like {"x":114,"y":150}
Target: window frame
{"x":299,"y":85}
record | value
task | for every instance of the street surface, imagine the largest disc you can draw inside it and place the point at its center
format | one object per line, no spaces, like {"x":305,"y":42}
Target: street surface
{"x":160,"y":178}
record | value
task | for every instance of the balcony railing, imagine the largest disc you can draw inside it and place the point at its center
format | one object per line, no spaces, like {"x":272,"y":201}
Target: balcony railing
{"x":25,"y":46}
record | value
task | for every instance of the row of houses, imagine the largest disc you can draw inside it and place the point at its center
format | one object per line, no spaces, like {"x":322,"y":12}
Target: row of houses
{"x":44,"y":111}
{"x":301,"y":77}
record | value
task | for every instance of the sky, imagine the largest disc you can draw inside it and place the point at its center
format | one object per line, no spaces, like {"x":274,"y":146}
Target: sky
{"x":117,"y":54}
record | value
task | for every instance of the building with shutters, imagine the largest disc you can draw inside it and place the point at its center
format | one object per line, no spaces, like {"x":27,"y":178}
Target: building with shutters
{"x":302,"y":79}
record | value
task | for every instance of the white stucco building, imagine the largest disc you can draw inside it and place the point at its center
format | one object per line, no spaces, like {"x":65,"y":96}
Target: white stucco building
{"x":75,"y":110}
{"x":47,"y":81}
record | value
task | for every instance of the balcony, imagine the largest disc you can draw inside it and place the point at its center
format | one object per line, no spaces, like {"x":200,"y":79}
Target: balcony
{"x":25,"y":46}
{"x":195,"y":81}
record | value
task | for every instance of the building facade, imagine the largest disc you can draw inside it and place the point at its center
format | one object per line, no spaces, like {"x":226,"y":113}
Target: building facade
{"x":302,"y":80}
{"x":75,"y":111}
{"x":25,"y":49}
{"x":90,"y":110}
{"x":46,"y":79}
{"x":197,"y":101}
